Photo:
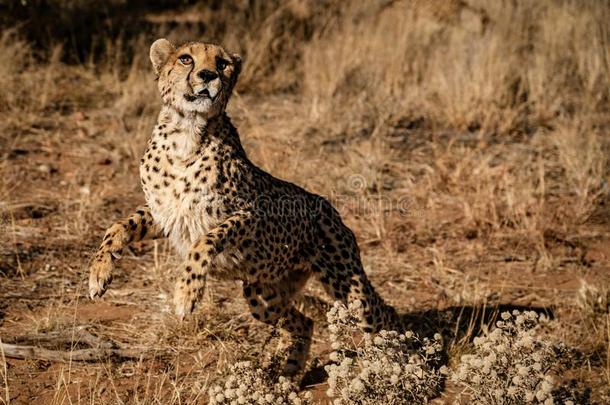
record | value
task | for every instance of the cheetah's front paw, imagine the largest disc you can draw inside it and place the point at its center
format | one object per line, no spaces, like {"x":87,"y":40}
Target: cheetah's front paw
{"x":184,"y":300}
{"x":100,"y":274}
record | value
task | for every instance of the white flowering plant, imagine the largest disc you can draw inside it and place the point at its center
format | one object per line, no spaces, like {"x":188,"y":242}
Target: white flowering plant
{"x":511,"y":365}
{"x":247,"y":383}
{"x":391,"y":367}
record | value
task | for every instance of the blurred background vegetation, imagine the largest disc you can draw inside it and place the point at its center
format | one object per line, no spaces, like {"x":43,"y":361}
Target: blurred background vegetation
{"x":505,"y":65}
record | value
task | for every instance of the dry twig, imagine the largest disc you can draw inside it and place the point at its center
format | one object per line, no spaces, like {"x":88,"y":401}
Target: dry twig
{"x":98,"y":350}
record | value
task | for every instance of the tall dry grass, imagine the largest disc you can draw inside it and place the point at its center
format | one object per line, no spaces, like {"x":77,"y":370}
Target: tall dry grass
{"x":529,"y":64}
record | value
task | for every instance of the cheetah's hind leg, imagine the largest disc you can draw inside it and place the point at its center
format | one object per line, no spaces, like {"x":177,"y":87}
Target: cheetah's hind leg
{"x":339,"y":269}
{"x":272,"y":304}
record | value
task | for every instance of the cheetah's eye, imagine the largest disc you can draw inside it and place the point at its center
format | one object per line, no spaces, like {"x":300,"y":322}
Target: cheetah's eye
{"x":185,"y":59}
{"x":221,"y":64}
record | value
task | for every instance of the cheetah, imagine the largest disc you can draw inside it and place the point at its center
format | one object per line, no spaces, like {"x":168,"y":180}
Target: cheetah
{"x":229,"y":219}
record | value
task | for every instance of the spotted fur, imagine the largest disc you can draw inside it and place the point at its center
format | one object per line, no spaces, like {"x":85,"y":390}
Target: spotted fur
{"x":228,"y":218}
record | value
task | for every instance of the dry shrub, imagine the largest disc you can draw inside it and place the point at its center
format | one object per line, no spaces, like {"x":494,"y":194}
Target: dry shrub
{"x":17,"y":57}
{"x":532,"y":62}
{"x":36,"y":90}
{"x":512,"y":364}
{"x":593,"y":300}
{"x":570,"y":56}
{"x":134,"y":83}
{"x":21,"y":92}
{"x":388,"y":367}
{"x":583,"y":163}
{"x":248,"y":383}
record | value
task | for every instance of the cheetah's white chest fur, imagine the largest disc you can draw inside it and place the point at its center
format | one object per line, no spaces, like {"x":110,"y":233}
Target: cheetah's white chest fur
{"x":176,"y":180}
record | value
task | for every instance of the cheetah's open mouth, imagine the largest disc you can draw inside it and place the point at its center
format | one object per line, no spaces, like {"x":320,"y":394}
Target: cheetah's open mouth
{"x":203,"y":94}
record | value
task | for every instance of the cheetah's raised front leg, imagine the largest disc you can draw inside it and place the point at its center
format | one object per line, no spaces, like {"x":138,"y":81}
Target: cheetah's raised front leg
{"x":136,"y":227}
{"x":217,"y":250}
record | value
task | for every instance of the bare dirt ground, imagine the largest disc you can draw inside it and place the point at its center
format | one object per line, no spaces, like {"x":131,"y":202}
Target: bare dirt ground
{"x":475,"y":179}
{"x":67,"y":184}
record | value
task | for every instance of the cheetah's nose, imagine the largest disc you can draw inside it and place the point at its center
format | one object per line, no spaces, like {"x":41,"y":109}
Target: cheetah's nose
{"x":207,"y":75}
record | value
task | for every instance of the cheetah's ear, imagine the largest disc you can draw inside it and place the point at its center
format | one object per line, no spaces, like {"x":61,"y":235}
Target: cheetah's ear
{"x":160,"y":52}
{"x":237,"y":65}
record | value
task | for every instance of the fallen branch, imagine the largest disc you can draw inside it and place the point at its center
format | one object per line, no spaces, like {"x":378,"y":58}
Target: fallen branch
{"x":75,"y":336}
{"x":39,"y":353}
{"x":22,"y":347}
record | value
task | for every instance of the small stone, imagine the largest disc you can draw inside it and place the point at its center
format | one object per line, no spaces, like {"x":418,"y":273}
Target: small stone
{"x":44,"y":168}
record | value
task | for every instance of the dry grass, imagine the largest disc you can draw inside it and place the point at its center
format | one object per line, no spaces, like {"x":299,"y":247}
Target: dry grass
{"x":465,"y":143}
{"x":548,"y":60}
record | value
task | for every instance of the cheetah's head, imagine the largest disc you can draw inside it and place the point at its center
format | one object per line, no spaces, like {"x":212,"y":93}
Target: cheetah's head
{"x":195,"y":77}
